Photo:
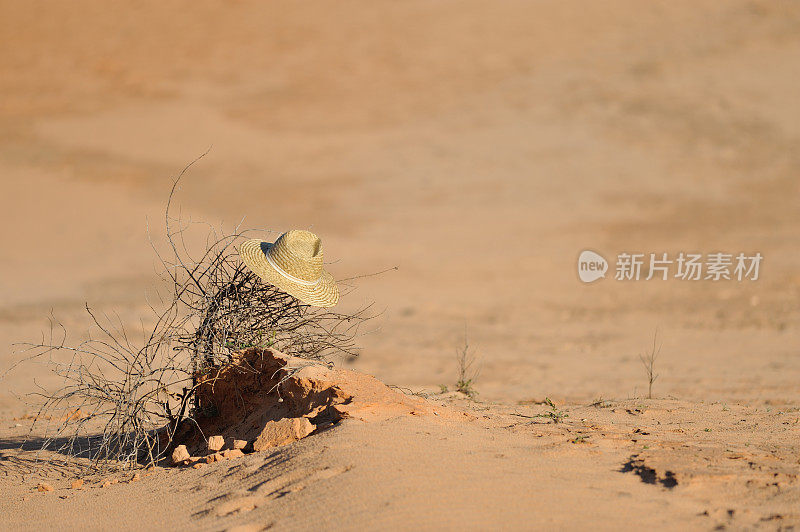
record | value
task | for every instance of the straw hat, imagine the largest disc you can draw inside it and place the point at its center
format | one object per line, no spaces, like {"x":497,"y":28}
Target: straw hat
{"x":294,"y":264}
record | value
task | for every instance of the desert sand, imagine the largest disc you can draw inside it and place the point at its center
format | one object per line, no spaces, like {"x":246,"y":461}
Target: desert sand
{"x":479,"y":148}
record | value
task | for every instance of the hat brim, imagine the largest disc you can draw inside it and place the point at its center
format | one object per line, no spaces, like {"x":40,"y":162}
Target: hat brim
{"x":324,"y":294}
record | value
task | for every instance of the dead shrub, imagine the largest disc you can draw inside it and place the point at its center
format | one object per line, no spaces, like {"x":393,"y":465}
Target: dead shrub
{"x":133,"y":396}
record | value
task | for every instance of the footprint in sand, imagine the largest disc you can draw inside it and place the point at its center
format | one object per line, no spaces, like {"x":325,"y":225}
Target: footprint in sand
{"x":281,"y":486}
{"x":240,"y":505}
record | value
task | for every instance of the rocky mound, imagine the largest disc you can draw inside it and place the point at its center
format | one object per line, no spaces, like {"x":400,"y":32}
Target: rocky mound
{"x":264,"y":399}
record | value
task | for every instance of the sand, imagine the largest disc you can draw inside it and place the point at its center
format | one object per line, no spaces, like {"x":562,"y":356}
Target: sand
{"x":479,"y":149}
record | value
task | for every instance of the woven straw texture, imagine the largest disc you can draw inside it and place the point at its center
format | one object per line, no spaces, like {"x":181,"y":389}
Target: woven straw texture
{"x":293,"y":264}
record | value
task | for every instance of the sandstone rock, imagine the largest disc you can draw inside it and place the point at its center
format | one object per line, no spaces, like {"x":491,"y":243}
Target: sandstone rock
{"x":211,"y":458}
{"x":264,"y":384}
{"x":77,"y":484}
{"x":180,"y":454}
{"x":232,"y":453}
{"x":215,"y":443}
{"x":282,"y":432}
{"x":44,"y":486}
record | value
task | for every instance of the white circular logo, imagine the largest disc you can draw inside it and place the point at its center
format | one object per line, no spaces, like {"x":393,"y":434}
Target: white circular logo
{"x":591,"y":266}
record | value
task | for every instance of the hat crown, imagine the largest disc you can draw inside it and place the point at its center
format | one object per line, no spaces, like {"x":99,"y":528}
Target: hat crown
{"x":298,"y":253}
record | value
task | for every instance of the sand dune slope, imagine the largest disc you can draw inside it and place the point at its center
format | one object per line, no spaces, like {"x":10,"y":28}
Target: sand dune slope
{"x":463,"y":465}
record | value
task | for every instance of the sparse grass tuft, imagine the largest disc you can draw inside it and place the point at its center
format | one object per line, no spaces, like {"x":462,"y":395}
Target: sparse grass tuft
{"x":554,"y":414}
{"x":466,"y":374}
{"x":601,"y":403}
{"x":649,"y":362}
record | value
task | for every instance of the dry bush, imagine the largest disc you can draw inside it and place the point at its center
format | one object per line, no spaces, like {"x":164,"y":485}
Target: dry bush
{"x":122,"y":401}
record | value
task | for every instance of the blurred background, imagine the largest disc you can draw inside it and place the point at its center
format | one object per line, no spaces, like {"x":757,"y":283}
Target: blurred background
{"x":477,"y":146}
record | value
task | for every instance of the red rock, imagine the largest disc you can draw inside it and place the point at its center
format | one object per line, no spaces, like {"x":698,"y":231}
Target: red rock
{"x":261,"y":384}
{"x":215,"y":443}
{"x":77,"y":484}
{"x":216,"y":457}
{"x":232,"y":453}
{"x":180,"y":454}
{"x":282,"y":432}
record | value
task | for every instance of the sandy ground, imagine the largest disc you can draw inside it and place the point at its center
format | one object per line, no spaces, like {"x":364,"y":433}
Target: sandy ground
{"x":479,"y":149}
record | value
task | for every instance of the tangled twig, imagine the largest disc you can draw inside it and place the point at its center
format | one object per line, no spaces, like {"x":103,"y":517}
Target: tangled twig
{"x":121,"y":404}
